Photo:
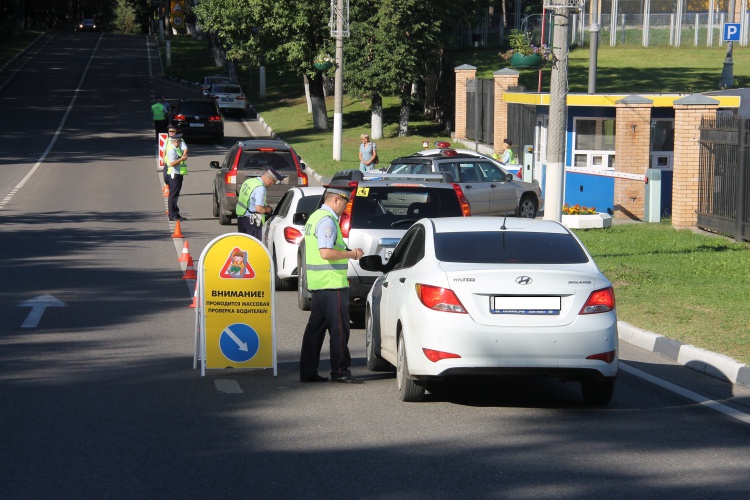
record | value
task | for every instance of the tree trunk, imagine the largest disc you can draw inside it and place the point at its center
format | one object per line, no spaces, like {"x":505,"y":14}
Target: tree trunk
{"x":306,"y":81}
{"x":376,"y":118}
{"x":318,"y":100}
{"x":403,"y":118}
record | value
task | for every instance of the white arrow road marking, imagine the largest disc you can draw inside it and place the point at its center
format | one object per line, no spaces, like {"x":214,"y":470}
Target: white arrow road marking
{"x":242,"y":345}
{"x":38,"y":305}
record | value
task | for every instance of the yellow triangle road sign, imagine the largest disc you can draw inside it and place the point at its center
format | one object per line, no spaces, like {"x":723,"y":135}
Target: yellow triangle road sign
{"x":177,"y":8}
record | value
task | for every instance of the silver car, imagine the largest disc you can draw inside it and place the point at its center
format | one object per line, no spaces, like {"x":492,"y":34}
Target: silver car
{"x":229,"y":97}
{"x":490,"y":189}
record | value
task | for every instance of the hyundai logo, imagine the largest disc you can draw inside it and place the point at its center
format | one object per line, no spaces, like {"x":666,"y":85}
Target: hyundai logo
{"x":524,"y":280}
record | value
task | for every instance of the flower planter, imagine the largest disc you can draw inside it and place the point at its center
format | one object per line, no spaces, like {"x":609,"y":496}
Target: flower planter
{"x":323,"y":66}
{"x":522,"y":62}
{"x":593,"y":221}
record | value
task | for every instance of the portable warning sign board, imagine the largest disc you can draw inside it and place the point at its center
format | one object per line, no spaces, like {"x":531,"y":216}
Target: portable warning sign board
{"x":177,"y":14}
{"x":162,"y":151}
{"x":235,"y":323}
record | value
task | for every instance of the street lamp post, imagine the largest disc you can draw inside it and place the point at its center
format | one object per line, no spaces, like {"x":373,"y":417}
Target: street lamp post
{"x":339,"y":29}
{"x":727,"y":72}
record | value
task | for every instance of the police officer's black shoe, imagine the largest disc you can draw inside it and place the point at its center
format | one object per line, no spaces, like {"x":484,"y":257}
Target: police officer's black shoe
{"x":346,"y":379}
{"x":314,"y":378}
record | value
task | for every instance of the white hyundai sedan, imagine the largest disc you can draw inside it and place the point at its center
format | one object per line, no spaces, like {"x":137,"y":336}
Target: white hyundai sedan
{"x":488,"y":296}
{"x":282,"y":236}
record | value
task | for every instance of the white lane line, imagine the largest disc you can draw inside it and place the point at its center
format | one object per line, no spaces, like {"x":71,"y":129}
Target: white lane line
{"x":692,"y":396}
{"x":57,"y":132}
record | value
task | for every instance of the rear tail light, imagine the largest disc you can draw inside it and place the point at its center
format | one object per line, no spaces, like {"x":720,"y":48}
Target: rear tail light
{"x":345,"y":223}
{"x":240,"y":98}
{"x":439,"y":299}
{"x":436,"y":356}
{"x":302,"y":179}
{"x":293,"y":235}
{"x":607,"y":357}
{"x":599,"y":301}
{"x":215,"y":118}
{"x":179,"y":117}
{"x":465,"y":207}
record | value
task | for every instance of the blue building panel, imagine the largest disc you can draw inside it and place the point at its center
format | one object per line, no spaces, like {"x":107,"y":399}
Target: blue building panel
{"x":590,"y":190}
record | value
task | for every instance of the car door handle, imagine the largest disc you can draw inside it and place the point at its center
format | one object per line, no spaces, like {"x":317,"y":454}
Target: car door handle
{"x":402,"y":279}
{"x":385,"y":284}
{"x":493,"y":185}
{"x":467,"y":186}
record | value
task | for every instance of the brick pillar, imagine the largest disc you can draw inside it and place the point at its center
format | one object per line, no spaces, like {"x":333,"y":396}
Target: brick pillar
{"x":687,"y":120}
{"x":504,"y":78}
{"x":633,"y":154}
{"x":463,"y":73}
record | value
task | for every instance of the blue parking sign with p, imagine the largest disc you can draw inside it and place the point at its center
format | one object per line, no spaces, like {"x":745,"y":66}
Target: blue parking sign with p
{"x":732,"y":32}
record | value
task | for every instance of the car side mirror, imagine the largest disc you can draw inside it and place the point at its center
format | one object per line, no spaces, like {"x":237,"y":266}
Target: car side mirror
{"x":214,"y":164}
{"x":302,"y":165}
{"x":372,"y":263}
{"x":508,"y":177}
{"x":300,"y":218}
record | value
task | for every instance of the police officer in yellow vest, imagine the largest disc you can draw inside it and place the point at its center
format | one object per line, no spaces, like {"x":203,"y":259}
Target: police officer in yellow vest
{"x":251,"y":203}
{"x":327,"y":260}
{"x":160,"y":112}
{"x":175,"y":160}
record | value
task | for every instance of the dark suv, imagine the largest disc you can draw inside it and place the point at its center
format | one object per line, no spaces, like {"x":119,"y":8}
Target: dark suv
{"x":488,"y":187}
{"x":382,"y":208}
{"x":250,"y":159}
{"x":199,"y":117}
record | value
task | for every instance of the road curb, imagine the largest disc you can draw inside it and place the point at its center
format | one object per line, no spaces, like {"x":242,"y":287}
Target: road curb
{"x":696,"y":358}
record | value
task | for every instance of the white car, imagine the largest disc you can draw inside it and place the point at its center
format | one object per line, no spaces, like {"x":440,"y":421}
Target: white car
{"x":282,"y":237}
{"x":487,"y":296}
{"x":229,"y":97}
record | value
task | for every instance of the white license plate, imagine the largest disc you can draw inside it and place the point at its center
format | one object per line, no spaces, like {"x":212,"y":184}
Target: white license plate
{"x":196,"y":124}
{"x":525,"y":305}
{"x":226,"y":99}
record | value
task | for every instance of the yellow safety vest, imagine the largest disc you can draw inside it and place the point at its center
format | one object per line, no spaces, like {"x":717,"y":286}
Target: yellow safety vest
{"x":323,"y":274}
{"x":182,"y":164}
{"x":245,"y":191}
{"x":158,"y":110}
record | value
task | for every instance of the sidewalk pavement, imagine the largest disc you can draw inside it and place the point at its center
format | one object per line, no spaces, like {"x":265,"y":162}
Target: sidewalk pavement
{"x":710,"y":363}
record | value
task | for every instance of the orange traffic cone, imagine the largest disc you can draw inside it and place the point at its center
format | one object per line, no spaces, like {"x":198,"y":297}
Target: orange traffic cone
{"x":190,"y":271}
{"x":195,"y":297}
{"x":185,"y":255}
{"x":177,"y":231}
{"x":165,"y":191}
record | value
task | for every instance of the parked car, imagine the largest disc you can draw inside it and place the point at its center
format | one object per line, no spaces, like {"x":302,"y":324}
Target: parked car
{"x":229,"y":97}
{"x":210,"y":80}
{"x":86,"y":25}
{"x":250,"y":159}
{"x":282,"y":236}
{"x":199,"y":117}
{"x":477,"y":297}
{"x":377,"y":216}
{"x":490,"y":189}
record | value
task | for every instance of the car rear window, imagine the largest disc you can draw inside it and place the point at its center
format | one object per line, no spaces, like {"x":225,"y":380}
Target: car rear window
{"x":227,"y":89}
{"x":198,"y":108}
{"x":508,"y":247}
{"x":384,"y":207}
{"x":410,"y":168}
{"x":279,"y":160}
{"x":309,"y":204}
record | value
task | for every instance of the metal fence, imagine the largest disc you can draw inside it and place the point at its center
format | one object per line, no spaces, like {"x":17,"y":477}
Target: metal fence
{"x":724,"y":181}
{"x":480,"y":108}
{"x":645,"y":23}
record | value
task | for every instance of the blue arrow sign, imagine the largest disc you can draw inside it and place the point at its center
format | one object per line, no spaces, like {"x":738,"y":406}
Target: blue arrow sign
{"x":732,"y":32}
{"x":239,"y":343}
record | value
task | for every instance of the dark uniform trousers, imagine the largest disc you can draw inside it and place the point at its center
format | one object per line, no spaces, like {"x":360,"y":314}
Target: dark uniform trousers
{"x":245,"y":225}
{"x":329,"y":311}
{"x":175,"y":186}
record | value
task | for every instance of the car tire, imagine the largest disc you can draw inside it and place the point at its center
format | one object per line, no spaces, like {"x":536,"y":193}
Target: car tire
{"x":303,"y":301}
{"x":374,"y":362}
{"x":597,"y":392}
{"x":224,"y":219}
{"x":279,"y":283}
{"x":215,"y":208}
{"x":527,"y":207}
{"x":409,"y":390}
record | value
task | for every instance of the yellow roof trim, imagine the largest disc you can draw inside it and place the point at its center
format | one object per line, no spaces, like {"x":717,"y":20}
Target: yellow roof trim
{"x":610,"y":100}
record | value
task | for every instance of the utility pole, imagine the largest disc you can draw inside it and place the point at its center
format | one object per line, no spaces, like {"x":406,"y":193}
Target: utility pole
{"x":727,"y":72}
{"x":593,"y":45}
{"x":339,"y":29}
{"x":558,"y":107}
